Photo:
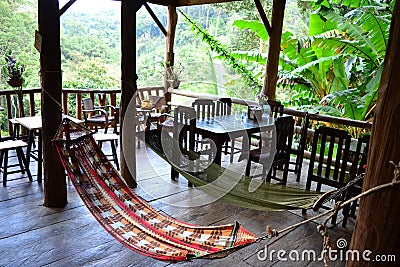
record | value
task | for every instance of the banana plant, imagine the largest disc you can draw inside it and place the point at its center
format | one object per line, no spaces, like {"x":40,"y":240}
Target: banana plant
{"x":340,"y":61}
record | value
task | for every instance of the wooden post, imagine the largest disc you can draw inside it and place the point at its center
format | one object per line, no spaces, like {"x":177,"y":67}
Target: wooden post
{"x":169,"y":46}
{"x":271,"y":74}
{"x":377,"y":222}
{"x":55,"y":189}
{"x":128,"y":89}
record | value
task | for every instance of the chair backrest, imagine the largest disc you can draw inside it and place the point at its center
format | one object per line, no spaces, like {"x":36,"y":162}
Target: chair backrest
{"x":205,"y":108}
{"x":303,"y":132}
{"x":224,"y":107}
{"x":276,"y":108}
{"x":87,"y":104}
{"x":155,"y":94}
{"x":184,"y":127}
{"x":284,"y":127}
{"x":329,"y":157}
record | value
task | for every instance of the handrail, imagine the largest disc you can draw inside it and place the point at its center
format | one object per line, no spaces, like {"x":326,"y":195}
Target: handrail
{"x":289,"y":111}
{"x":102,"y":94}
{"x":87,"y":91}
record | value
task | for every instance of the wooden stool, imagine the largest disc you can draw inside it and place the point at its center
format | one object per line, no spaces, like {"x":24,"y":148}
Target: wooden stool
{"x":16,"y":145}
{"x":16,"y":128}
{"x":113,"y":139}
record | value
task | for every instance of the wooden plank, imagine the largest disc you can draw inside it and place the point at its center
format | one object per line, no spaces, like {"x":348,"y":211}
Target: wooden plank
{"x":377,"y":224}
{"x":32,"y":109}
{"x":51,"y":81}
{"x":128,"y":88}
{"x":274,"y":48}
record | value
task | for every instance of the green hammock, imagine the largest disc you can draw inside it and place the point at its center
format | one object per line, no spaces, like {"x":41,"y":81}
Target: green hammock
{"x":234,"y":188}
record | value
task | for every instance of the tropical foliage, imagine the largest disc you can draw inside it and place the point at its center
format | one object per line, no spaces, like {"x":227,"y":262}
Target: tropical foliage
{"x":339,"y":63}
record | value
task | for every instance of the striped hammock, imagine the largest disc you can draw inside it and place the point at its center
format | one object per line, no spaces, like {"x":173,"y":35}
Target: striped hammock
{"x":128,"y":217}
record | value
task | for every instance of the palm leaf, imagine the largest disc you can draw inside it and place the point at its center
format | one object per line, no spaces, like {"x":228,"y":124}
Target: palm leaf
{"x":250,"y":57}
{"x":255,"y":26}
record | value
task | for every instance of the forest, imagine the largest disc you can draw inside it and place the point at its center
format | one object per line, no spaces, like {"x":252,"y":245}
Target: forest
{"x":331,"y":60}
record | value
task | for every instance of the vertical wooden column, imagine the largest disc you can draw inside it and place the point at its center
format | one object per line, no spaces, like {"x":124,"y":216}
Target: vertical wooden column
{"x":274,"y":49}
{"x":55,"y":190}
{"x":169,"y":45}
{"x":128,"y":89}
{"x":377,"y":226}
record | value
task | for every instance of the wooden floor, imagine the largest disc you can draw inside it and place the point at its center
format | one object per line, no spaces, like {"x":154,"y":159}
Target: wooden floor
{"x":33,"y":235}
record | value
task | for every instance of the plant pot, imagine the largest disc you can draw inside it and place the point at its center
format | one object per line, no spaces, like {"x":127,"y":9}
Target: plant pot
{"x":15,"y":82}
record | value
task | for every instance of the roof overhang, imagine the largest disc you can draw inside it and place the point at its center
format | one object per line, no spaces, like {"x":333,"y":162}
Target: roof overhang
{"x":178,"y":3}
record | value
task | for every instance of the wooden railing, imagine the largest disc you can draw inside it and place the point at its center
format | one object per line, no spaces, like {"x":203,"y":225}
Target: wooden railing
{"x":29,"y":104}
{"x":293,"y":112}
{"x":100,"y":97}
{"x":111,"y":96}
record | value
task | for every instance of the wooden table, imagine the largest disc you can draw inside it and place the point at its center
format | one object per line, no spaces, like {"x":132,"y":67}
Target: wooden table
{"x":34,"y":124}
{"x":224,"y":128}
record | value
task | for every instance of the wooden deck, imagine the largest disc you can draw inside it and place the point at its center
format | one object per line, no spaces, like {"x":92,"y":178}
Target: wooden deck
{"x":33,"y":235}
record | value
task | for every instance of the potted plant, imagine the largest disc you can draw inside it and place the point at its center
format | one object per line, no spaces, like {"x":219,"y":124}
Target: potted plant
{"x":13,"y":70}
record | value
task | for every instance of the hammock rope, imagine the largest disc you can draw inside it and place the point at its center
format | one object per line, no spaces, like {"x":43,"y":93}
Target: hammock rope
{"x":128,"y":217}
{"x":140,"y":227}
{"x":214,"y":180}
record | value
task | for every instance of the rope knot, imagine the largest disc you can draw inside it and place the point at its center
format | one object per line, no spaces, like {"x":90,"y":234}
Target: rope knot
{"x":271,"y":232}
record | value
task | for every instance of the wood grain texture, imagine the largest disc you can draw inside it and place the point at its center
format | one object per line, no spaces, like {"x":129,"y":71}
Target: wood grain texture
{"x":274,"y":49}
{"x":33,"y":235}
{"x":377,"y":224}
{"x":51,"y":81}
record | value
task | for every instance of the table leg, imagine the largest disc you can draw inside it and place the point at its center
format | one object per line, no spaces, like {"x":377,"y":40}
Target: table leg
{"x":40,"y":158}
{"x":31,"y":137}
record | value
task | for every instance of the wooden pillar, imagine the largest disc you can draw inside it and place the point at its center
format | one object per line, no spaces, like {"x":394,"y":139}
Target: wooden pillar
{"x":55,"y":190}
{"x":377,"y":222}
{"x":169,"y":45}
{"x":128,"y":89}
{"x":271,"y":74}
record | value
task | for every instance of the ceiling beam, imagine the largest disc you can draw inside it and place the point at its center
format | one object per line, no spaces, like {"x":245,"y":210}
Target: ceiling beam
{"x":178,"y":3}
{"x":263,"y":16}
{"x":66,"y":6}
{"x":156,"y":20}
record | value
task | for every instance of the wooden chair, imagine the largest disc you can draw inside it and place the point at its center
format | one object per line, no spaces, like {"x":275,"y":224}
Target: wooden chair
{"x":298,"y":148}
{"x":154,"y":114}
{"x":184,"y":133}
{"x":17,"y":146}
{"x":276,"y":108}
{"x":224,"y":107}
{"x":329,"y":160}
{"x":98,"y":116}
{"x":358,"y":165}
{"x":284,"y":135}
{"x":205,"y":108}
{"x":113,"y":140}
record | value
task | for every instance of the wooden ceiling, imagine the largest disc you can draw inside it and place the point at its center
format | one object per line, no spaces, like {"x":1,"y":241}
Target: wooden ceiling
{"x":187,"y":2}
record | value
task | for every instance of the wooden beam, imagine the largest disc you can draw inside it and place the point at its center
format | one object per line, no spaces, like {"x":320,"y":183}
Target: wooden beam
{"x":66,"y":6}
{"x":263,"y":16}
{"x":156,"y":20}
{"x":274,"y":49}
{"x":177,"y":3}
{"x":169,"y":46}
{"x":376,"y":227}
{"x":55,"y":189}
{"x":128,"y":90}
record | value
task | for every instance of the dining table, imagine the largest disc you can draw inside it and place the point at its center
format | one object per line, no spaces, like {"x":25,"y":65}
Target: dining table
{"x":221,"y":129}
{"x":34,"y":126}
